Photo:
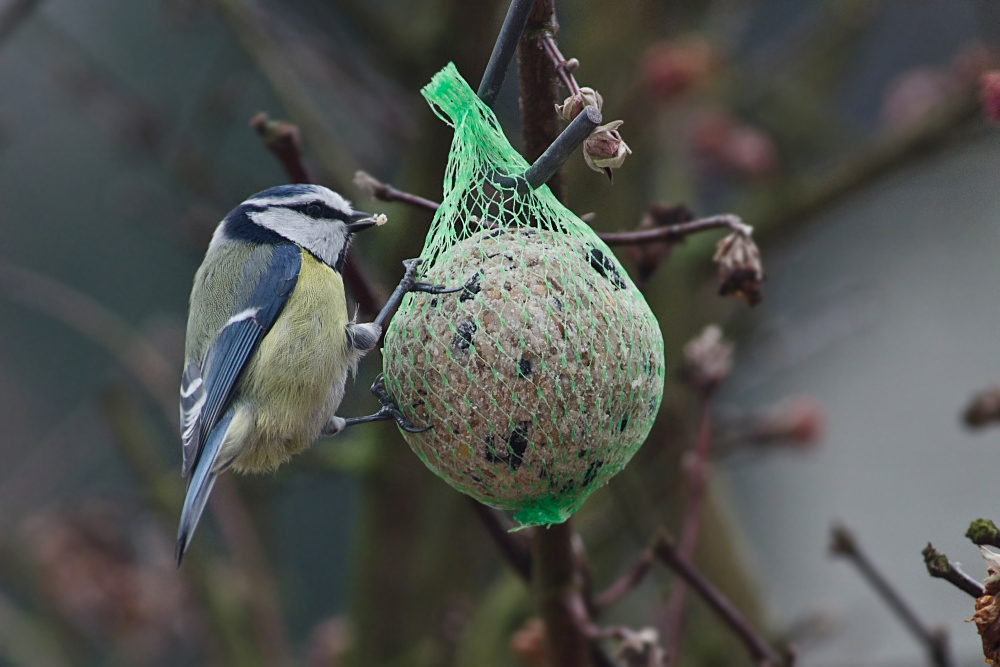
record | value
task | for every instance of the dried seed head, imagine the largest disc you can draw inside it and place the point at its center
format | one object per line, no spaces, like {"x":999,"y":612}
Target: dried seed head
{"x":984,"y":408}
{"x":740,"y":270}
{"x":640,"y":648}
{"x":574,"y":104}
{"x":797,"y":422}
{"x":604,"y":149}
{"x":987,"y":616}
{"x":708,"y":358}
{"x":989,"y":95}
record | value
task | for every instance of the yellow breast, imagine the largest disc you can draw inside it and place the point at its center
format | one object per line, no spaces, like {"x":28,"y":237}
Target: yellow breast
{"x":287,"y":390}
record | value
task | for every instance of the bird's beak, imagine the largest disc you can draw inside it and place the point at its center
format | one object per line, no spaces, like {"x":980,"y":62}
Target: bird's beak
{"x":361,"y":221}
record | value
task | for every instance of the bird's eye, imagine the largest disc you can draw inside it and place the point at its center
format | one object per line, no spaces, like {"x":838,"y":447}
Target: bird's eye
{"x":314,"y":210}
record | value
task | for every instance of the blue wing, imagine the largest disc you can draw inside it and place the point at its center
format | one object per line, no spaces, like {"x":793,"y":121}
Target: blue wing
{"x":207,"y":392}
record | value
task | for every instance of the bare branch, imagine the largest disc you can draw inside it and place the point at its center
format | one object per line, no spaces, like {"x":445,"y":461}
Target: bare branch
{"x":632,"y":577}
{"x":385,"y":192}
{"x":935,"y":640}
{"x":940,"y":567}
{"x":760,"y":650}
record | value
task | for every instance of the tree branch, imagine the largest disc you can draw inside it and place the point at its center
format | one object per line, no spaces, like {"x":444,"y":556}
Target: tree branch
{"x":693,"y":509}
{"x":939,"y":566}
{"x":632,"y":577}
{"x":761,"y":651}
{"x":675,"y":233}
{"x":385,"y":192}
{"x":514,"y":550}
{"x":935,"y":640}
{"x":564,"y":68}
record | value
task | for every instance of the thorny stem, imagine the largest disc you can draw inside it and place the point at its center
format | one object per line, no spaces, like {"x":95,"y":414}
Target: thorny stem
{"x":939,"y":566}
{"x":564,"y":68}
{"x":761,"y":651}
{"x":935,"y":640}
{"x":282,"y":139}
{"x":674,"y":233}
{"x":673,"y":617}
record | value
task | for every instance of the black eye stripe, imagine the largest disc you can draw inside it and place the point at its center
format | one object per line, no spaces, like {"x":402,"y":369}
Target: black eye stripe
{"x":318,"y":209}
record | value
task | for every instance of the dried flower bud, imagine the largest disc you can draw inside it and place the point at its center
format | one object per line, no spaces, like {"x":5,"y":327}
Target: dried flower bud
{"x":983,"y":409}
{"x":797,"y":422}
{"x":989,"y":95}
{"x":329,"y":642}
{"x":604,"y":149}
{"x":723,"y":142}
{"x":647,"y":256}
{"x":987,"y":616}
{"x":670,"y":69}
{"x":641,"y":648}
{"x":708,"y":359}
{"x":528,"y":643}
{"x":574,"y":104}
{"x":916,"y":95}
{"x":740,"y":270}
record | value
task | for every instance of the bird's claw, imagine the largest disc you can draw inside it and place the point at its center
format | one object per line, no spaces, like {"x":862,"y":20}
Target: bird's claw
{"x":389,"y":408}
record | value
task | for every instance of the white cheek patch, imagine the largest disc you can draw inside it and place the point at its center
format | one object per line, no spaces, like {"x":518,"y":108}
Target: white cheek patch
{"x":323,"y":238}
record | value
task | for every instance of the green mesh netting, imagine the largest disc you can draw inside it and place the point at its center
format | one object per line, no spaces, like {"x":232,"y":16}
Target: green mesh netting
{"x":543,"y":376}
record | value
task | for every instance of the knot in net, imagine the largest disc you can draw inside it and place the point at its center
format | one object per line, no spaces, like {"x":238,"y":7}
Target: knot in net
{"x":543,"y":375}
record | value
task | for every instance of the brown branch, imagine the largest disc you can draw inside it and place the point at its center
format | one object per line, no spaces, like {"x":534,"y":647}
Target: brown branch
{"x":935,"y":640}
{"x":282,"y":139}
{"x":673,"y":617}
{"x":632,"y":577}
{"x":939,"y":566}
{"x":513,"y":549}
{"x":564,"y":68}
{"x":557,"y":592}
{"x":760,"y":650}
{"x":385,"y":192}
{"x":675,"y":233}
{"x":554,"y":574}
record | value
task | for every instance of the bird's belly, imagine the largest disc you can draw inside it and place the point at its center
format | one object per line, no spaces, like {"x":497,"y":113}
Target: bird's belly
{"x":295,"y":381}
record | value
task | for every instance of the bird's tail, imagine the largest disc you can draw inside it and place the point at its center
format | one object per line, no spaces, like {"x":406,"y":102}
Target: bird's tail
{"x":201,"y":483}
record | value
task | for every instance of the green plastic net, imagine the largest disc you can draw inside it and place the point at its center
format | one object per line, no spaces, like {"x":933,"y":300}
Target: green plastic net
{"x":543,"y":375}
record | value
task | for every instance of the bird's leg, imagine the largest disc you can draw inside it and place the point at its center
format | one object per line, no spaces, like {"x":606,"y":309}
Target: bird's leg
{"x":409,"y":283}
{"x":388,"y":411}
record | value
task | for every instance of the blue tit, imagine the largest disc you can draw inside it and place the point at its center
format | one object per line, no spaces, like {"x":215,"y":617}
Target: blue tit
{"x":269,"y":344}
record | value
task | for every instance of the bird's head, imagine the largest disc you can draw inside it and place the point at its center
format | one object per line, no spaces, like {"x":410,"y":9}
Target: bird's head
{"x":312,"y":216}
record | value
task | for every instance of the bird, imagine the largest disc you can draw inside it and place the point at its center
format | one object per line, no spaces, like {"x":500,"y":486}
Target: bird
{"x":269,"y":345}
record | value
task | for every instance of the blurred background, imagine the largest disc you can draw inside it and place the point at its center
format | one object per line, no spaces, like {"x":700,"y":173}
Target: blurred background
{"x":847,"y":132}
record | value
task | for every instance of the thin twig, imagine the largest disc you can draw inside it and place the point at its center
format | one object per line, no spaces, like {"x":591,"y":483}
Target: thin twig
{"x":564,"y":68}
{"x":674,"y":233}
{"x":632,"y":577}
{"x":939,"y":566}
{"x":935,"y":640}
{"x":513,"y":549}
{"x":760,"y":650}
{"x":385,"y":192}
{"x":673,"y":617}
